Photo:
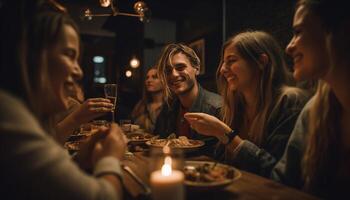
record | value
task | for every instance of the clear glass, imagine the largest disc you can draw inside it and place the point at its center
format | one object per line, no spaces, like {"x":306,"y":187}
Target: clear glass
{"x":111,"y":94}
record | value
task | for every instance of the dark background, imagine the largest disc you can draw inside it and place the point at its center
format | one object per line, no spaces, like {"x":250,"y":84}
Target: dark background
{"x":119,"y":38}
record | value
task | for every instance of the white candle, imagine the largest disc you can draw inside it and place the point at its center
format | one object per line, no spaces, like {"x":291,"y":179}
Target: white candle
{"x":167,"y":184}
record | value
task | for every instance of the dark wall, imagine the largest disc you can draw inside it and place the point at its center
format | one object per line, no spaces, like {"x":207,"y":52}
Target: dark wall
{"x":92,"y":46}
{"x":128,"y":43}
{"x":204,"y":21}
{"x":273,"y":16}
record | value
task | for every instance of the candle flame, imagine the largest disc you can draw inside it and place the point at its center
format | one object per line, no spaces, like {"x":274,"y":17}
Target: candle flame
{"x":166,"y":168}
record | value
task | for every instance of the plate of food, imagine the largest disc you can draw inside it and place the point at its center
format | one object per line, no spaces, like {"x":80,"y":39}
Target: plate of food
{"x":205,"y":175}
{"x":138,"y":138}
{"x":180,"y":143}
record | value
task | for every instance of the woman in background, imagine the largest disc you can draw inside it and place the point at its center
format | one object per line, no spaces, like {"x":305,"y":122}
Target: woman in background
{"x":259,"y":110}
{"x":148,"y":108}
{"x":39,"y":67}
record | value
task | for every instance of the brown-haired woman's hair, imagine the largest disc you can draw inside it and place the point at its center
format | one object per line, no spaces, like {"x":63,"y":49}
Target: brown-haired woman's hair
{"x":33,"y":29}
{"x":273,"y":78}
{"x":165,"y":61}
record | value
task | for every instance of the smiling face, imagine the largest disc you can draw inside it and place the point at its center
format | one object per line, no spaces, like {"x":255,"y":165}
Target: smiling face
{"x":152,"y":82}
{"x":181,"y":76}
{"x":237,"y":72}
{"x":63,"y":68}
{"x":308,"y":46}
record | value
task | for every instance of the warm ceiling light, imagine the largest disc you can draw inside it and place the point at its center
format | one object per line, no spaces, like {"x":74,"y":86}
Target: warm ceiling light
{"x":105,"y":3}
{"x":134,"y":62}
{"x":140,"y":8}
{"x":128,"y":73}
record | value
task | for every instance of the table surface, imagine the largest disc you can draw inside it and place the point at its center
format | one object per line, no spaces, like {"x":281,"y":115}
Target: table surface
{"x":248,"y":186}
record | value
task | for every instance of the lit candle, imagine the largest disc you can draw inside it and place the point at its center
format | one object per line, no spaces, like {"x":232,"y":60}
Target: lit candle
{"x":167,"y":183}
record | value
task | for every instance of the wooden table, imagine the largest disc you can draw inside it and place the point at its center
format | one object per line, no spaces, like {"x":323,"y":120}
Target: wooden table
{"x":249,"y":186}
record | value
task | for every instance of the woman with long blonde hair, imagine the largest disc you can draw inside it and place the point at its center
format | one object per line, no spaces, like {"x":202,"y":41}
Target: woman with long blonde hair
{"x":317,"y":156}
{"x":146,"y":111}
{"x":259,"y":109}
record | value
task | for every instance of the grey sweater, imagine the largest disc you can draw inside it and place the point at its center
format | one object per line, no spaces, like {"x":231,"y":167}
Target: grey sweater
{"x":34,"y":166}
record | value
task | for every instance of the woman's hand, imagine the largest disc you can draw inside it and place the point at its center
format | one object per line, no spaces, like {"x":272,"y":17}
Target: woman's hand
{"x":83,"y":157}
{"x":114,"y":144}
{"x":91,"y":109}
{"x":103,"y":142}
{"x":207,"y":124}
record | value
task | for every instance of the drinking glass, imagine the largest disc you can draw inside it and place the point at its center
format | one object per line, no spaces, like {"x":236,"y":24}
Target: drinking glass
{"x":111,"y":94}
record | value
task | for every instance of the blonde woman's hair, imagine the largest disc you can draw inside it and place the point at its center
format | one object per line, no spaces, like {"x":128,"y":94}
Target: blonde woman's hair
{"x":324,"y":135}
{"x":140,"y":109}
{"x":273,"y":77}
{"x":323,"y":145}
{"x":165,"y":61}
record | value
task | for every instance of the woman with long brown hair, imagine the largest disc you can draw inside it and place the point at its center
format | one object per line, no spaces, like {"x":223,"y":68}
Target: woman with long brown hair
{"x":317,"y":156}
{"x":260,"y":109}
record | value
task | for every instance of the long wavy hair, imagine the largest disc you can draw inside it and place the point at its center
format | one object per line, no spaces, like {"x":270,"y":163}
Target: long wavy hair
{"x":165,"y":60}
{"x":273,"y":79}
{"x":29,"y":29}
{"x":140,"y":109}
{"x":323,"y":146}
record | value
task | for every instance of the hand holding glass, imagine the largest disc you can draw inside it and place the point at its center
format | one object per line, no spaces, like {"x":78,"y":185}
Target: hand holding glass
{"x":111,"y":94}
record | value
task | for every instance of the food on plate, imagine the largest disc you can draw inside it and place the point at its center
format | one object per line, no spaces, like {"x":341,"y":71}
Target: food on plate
{"x":207,"y":173}
{"x":181,"y":142}
{"x":139,"y":136}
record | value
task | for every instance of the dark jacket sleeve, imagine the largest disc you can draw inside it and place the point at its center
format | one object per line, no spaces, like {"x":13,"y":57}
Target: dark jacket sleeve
{"x":288,"y":169}
{"x":261,"y":159}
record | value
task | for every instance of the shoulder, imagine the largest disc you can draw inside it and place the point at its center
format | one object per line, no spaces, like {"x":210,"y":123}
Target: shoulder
{"x":14,"y":112}
{"x":12,"y":108}
{"x":305,"y":112}
{"x":300,"y":130}
{"x":211,"y":98}
{"x":288,"y":105}
{"x":292,"y":98}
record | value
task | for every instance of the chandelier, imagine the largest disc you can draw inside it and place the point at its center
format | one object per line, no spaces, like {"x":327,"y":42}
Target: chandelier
{"x":140,"y":8}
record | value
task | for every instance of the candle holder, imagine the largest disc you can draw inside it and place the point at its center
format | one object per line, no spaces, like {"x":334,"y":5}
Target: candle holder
{"x":166,"y":175}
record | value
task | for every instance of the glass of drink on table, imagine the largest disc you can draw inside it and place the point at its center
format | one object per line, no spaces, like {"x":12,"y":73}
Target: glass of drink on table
{"x":111,"y":94}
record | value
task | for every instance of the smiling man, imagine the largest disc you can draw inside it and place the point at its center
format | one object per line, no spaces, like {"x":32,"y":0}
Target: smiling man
{"x":178,"y":68}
